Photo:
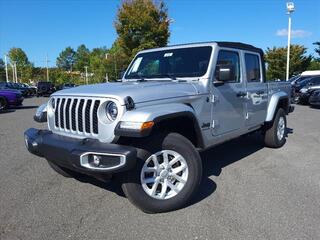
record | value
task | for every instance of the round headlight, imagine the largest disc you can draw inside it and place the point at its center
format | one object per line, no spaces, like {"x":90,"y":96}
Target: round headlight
{"x":111,"y":111}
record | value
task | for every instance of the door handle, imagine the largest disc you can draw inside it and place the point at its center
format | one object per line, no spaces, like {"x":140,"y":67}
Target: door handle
{"x":260,"y":92}
{"x":241,"y":94}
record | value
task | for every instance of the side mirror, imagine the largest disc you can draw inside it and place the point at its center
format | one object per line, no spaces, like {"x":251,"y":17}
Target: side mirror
{"x":224,"y":73}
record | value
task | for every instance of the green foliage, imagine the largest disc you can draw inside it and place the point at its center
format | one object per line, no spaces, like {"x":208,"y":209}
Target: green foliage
{"x":66,"y":59}
{"x":19,"y":56}
{"x":314,"y":65}
{"x":24,"y":67}
{"x":317,"y":49}
{"x":58,"y":76}
{"x":82,"y":58}
{"x":39,"y":74}
{"x":97,"y":65}
{"x":276,"y":59}
{"x":141,"y":24}
{"x":117,"y":61}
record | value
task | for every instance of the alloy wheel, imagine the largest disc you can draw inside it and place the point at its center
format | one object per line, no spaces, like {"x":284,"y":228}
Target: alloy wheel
{"x":164,"y":174}
{"x":281,"y":128}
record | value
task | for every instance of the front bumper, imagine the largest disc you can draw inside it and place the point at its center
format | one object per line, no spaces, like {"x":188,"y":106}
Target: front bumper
{"x":74,"y":153}
{"x":16,"y":102}
{"x":303,"y":97}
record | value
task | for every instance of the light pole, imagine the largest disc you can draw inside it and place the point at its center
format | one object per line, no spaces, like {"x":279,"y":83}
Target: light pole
{"x":86,"y":68}
{"x":290,"y":9}
{"x":13,"y":75}
{"x":13,"y":71}
{"x":16,"y":72}
{"x":6,"y":63}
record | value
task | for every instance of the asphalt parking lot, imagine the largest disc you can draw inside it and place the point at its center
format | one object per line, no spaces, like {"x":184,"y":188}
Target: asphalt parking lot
{"x":248,"y":191}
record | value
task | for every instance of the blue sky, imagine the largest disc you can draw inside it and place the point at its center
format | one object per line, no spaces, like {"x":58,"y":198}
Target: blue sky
{"x":43,"y":27}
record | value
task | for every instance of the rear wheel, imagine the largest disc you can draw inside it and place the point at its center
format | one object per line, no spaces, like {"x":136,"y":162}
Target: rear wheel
{"x":166,"y":176}
{"x":3,"y":103}
{"x":275,"y":135}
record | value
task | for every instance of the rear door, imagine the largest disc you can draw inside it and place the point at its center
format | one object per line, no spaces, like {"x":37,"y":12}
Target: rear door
{"x":228,"y":99}
{"x":257,"y":92}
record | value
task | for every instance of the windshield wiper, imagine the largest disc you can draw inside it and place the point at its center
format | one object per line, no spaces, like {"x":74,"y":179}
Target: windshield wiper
{"x":141,"y":80}
{"x":138,"y":78}
{"x":168,"y":75}
{"x":173,"y":77}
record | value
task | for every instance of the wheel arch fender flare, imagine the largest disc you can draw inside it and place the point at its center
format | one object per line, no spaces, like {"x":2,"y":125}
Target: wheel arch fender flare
{"x":159,"y":113}
{"x":273,"y":104}
{"x":156,"y":112}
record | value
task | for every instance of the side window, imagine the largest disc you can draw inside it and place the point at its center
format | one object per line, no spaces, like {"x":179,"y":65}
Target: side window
{"x":315,"y":81}
{"x":252,"y":67}
{"x":228,"y":61}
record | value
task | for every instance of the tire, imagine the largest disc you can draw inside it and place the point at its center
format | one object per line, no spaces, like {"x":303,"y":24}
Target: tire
{"x":170,"y":144}
{"x":63,"y":171}
{"x":272,"y":139}
{"x":3,"y":103}
{"x":296,"y":100}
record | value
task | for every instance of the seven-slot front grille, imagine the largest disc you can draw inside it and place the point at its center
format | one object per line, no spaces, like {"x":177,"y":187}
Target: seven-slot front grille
{"x":76,"y":115}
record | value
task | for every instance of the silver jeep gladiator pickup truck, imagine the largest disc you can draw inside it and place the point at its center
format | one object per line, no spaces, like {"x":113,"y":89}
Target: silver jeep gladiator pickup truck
{"x":148,"y":129}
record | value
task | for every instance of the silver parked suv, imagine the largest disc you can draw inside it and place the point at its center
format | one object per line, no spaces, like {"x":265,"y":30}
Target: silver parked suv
{"x":148,"y":129}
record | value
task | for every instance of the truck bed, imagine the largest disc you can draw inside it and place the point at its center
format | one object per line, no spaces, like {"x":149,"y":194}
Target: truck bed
{"x":274,"y":87}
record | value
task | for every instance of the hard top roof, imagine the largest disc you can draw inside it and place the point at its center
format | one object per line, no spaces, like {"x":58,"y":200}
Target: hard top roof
{"x":237,"y":45}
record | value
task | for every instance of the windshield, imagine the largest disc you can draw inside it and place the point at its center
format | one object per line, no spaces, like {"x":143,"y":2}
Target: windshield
{"x":183,"y":62}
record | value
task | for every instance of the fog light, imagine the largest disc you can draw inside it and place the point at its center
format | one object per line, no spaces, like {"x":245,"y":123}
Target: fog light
{"x":96,"y":160}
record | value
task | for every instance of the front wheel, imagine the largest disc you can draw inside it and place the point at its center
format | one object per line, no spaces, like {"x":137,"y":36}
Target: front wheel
{"x":3,"y":104}
{"x":165,"y":177}
{"x":275,"y":135}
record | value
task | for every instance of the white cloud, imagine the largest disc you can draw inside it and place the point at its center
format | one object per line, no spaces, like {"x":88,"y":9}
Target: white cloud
{"x":294,"y":33}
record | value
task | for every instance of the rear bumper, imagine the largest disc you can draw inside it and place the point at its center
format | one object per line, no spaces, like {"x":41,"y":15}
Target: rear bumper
{"x":77,"y":154}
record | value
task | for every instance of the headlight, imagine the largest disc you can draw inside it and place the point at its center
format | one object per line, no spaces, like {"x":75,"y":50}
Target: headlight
{"x":303,"y":90}
{"x":111,"y":111}
{"x":41,"y":113}
{"x":53,"y":103}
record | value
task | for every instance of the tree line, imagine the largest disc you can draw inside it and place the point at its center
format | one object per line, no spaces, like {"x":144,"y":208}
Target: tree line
{"x":140,"y":24}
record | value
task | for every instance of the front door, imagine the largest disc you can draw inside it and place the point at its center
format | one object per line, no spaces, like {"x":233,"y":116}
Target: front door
{"x":228,"y":99}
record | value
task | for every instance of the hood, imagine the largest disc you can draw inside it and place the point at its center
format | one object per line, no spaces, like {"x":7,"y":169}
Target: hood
{"x":138,"y":91}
